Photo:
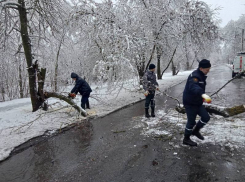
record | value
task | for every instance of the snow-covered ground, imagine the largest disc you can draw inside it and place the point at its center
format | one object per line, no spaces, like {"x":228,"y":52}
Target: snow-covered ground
{"x":227,"y":132}
{"x":18,"y":123}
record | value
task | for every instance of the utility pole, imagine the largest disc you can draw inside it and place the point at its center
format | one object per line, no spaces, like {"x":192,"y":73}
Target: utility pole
{"x":242,"y":38}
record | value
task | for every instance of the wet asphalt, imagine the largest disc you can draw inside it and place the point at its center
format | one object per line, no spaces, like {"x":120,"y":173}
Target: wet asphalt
{"x":113,"y":149}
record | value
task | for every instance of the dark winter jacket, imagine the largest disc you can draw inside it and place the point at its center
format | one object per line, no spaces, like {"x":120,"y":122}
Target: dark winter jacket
{"x":149,"y":81}
{"x":81,"y":85}
{"x":194,"y":88}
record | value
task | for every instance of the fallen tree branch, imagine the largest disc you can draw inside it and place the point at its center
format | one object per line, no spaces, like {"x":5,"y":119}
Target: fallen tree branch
{"x":66,"y":99}
{"x":99,"y":100}
{"x":222,"y":111}
{"x":29,"y":123}
{"x":172,"y":97}
{"x":235,"y":77}
{"x":39,"y":116}
{"x":165,"y":93}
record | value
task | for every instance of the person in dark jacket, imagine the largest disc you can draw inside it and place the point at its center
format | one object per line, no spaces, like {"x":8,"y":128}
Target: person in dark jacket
{"x":150,"y":85}
{"x":83,"y":88}
{"x":193,"y":98}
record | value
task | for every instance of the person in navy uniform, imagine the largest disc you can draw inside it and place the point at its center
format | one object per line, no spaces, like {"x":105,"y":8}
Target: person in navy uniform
{"x":83,"y":88}
{"x":193,"y":98}
{"x":150,"y":85}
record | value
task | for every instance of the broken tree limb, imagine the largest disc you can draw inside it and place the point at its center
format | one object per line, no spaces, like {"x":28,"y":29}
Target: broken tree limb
{"x":235,"y":77}
{"x":222,"y":111}
{"x":66,"y":99}
{"x":171,"y":97}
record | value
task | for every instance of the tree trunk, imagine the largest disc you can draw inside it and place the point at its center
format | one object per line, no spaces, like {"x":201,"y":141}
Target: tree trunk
{"x":28,"y":54}
{"x":173,"y":69}
{"x":222,"y":111}
{"x":187,"y":59}
{"x":41,"y":79}
{"x":3,"y":92}
{"x":66,"y":99}
{"x":57,"y":64}
{"x":159,"y":53}
{"x":141,"y":67}
{"x":56,"y":75}
{"x":152,"y":54}
{"x":21,"y":83}
{"x":172,"y":58}
{"x":187,"y":65}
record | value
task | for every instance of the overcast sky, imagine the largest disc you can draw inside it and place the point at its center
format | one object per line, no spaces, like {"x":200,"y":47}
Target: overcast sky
{"x":231,"y":9}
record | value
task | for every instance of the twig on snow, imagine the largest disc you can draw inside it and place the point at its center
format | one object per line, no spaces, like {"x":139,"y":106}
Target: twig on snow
{"x":39,"y":116}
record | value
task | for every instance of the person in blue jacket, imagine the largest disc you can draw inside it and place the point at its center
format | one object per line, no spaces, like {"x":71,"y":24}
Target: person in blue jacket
{"x":83,"y":88}
{"x":193,"y":98}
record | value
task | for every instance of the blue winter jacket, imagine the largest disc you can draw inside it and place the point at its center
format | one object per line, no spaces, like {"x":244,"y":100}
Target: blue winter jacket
{"x":149,"y":81}
{"x":194,"y":88}
{"x":81,"y":85}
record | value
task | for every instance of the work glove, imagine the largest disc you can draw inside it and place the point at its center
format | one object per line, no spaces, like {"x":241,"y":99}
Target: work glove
{"x":146,"y":93}
{"x":206,"y":98}
{"x":72,"y":95}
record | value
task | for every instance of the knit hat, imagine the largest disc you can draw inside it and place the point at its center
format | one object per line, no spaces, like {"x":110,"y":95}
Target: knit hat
{"x":204,"y":64}
{"x":151,"y":66}
{"x":74,"y":75}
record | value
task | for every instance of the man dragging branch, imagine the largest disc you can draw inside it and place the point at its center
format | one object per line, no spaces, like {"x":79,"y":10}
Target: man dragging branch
{"x":193,"y":97}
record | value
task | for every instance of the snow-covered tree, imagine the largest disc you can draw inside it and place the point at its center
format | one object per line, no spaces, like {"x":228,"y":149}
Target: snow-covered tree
{"x":31,"y":20}
{"x":105,"y":42}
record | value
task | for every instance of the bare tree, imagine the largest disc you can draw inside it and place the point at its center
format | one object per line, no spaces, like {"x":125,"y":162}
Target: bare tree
{"x":31,"y":14}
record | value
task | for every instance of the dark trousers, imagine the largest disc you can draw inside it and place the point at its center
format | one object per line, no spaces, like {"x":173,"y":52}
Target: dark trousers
{"x":85,"y":100}
{"x":192,"y":112}
{"x":150,"y":100}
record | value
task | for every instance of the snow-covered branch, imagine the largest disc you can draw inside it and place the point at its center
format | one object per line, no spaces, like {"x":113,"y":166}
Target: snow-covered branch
{"x":9,"y":4}
{"x":66,"y":99}
{"x":235,"y":77}
{"x":219,"y":110}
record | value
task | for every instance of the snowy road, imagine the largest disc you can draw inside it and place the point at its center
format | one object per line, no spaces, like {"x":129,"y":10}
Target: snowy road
{"x":124,"y":146}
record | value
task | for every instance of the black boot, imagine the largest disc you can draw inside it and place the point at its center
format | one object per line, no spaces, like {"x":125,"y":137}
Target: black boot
{"x":152,"y":111}
{"x":197,"y":133}
{"x":147,"y":113}
{"x":188,"y":141}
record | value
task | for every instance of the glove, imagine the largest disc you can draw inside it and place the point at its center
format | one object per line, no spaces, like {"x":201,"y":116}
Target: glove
{"x":206,"y":98}
{"x":157,"y":88}
{"x":146,"y":93}
{"x":72,"y":95}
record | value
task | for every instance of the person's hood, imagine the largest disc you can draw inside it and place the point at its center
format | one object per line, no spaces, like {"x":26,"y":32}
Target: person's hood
{"x":74,"y":75}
